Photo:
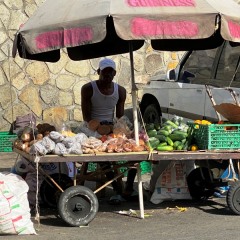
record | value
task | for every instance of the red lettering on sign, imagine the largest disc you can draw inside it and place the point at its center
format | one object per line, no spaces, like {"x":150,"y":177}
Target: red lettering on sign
{"x":161,"y":3}
{"x":69,"y":37}
{"x":234,"y":29}
{"x":148,"y":28}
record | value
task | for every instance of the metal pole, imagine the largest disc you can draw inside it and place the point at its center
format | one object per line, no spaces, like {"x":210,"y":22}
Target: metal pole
{"x":134,"y":96}
{"x":140,"y":191}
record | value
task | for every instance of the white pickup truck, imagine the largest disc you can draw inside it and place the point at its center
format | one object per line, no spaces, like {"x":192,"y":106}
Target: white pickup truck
{"x":182,"y":90}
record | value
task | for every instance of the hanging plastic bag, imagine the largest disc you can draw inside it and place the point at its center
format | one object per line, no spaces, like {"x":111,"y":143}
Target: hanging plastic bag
{"x":83,"y":128}
{"x":123,"y":126}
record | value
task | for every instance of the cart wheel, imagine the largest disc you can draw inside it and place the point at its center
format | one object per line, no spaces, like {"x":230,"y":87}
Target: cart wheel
{"x":50,"y":193}
{"x":78,"y":205}
{"x":233,"y":198}
{"x":199,"y":186}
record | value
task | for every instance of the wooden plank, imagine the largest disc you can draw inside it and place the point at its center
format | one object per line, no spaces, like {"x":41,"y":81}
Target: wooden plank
{"x":138,"y":156}
{"x":198,"y":155}
{"x":100,"y":157}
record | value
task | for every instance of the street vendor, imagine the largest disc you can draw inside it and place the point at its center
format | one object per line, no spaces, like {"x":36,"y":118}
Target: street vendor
{"x":101,"y":99}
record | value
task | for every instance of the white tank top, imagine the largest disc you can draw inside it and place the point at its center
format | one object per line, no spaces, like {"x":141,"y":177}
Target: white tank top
{"x":103,"y":106}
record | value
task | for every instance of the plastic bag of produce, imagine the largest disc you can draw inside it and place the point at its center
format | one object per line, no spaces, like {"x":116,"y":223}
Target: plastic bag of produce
{"x":172,"y":183}
{"x":123,"y":126}
{"x":14,"y":207}
{"x":83,"y":128}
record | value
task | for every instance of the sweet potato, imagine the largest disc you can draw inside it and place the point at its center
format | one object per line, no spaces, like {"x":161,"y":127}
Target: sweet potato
{"x":93,"y":124}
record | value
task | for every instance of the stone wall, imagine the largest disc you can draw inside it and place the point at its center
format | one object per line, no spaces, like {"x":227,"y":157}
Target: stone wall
{"x":52,"y":90}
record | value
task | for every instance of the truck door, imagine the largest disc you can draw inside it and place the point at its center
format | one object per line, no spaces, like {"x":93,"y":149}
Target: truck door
{"x":227,"y":74}
{"x":188,"y":97}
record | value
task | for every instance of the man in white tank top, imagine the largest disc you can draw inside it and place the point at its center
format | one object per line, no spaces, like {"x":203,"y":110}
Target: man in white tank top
{"x":100,"y":100}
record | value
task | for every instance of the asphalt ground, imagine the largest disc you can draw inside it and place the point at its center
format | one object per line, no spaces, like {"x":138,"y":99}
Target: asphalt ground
{"x":203,"y":220}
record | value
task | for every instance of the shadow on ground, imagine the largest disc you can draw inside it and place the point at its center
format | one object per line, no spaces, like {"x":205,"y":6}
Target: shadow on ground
{"x":212,"y":206}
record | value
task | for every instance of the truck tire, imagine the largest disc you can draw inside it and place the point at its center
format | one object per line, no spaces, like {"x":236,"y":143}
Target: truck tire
{"x":152,"y":114}
{"x":78,"y":206}
{"x":198,"y":181}
{"x":233,"y":198}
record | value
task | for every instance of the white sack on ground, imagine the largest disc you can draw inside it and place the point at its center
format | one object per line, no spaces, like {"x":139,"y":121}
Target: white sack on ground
{"x":172,"y":183}
{"x":15,"y":217}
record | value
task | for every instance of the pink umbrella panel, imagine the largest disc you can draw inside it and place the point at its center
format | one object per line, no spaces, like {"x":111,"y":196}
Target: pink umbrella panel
{"x":90,"y":29}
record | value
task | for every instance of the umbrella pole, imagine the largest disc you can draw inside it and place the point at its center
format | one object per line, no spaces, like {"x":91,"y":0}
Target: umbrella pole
{"x":134,"y":96}
{"x":135,"y":121}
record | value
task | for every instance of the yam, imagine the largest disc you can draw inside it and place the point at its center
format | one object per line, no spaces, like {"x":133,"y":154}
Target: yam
{"x":39,"y":136}
{"x":26,"y":137}
{"x":27,"y":150}
{"x":24,"y":146}
{"x":18,"y":144}
{"x":93,"y":124}
{"x":104,"y":129}
{"x":32,"y":142}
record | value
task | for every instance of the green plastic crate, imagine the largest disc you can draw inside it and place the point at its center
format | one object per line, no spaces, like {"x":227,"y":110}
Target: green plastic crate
{"x":217,"y":136}
{"x":146,"y":167}
{"x":6,"y":141}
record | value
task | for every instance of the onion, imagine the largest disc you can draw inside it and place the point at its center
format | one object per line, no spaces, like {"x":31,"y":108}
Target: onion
{"x":143,"y":136}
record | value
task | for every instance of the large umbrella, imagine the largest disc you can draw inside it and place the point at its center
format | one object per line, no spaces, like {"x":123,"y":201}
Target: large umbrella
{"x":95,"y":28}
{"x":104,"y":27}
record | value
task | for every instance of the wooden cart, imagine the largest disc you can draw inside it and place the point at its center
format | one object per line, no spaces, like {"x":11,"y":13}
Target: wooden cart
{"x":78,"y":205}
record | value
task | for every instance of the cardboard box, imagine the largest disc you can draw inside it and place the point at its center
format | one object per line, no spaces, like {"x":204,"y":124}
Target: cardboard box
{"x":229,"y":111}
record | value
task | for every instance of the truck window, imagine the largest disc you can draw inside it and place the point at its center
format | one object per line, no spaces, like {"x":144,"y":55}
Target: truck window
{"x":227,"y":67}
{"x":199,"y":63}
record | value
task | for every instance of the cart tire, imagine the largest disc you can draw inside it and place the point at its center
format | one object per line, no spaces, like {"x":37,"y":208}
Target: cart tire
{"x":198,"y":187}
{"x":233,"y":198}
{"x":77,"y":206}
{"x":50,"y":193}
{"x":151,"y":114}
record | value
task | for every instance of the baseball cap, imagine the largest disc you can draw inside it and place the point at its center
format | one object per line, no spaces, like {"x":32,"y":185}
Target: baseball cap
{"x":106,"y":62}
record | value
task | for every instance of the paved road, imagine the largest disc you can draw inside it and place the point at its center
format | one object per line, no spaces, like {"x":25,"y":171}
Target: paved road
{"x":201,"y":221}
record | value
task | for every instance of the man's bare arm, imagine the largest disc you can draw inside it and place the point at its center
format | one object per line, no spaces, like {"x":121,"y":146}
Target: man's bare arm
{"x":86,"y":94}
{"x":121,"y":101}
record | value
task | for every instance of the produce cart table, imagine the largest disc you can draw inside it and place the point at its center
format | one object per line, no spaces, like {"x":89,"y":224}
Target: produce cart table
{"x":132,"y":158}
{"x":198,"y":155}
{"x":136,"y":158}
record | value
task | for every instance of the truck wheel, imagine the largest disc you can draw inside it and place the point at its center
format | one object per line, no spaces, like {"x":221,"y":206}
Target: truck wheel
{"x":198,"y":183}
{"x":151,"y":114}
{"x":50,"y":193}
{"x":78,"y":205}
{"x":233,"y":198}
